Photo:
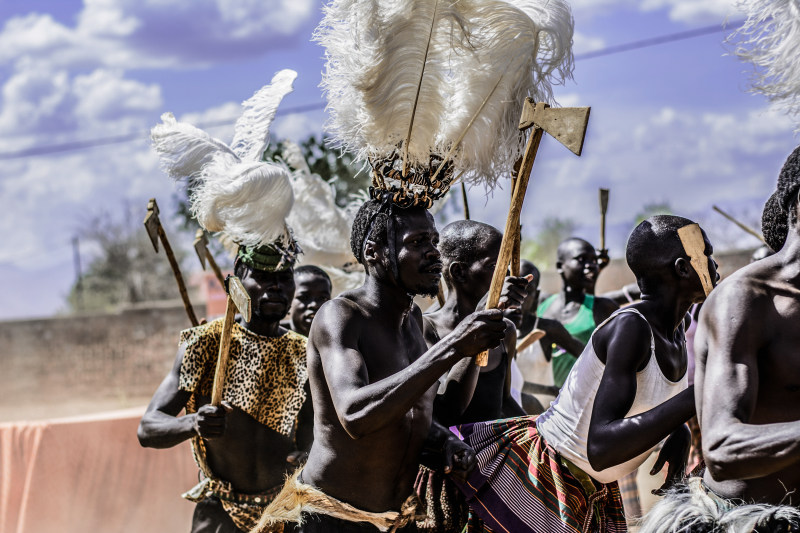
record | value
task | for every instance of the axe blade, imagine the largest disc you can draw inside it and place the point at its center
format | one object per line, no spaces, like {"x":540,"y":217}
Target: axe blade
{"x":238,"y":294}
{"x":604,"y":201}
{"x":693,"y":244}
{"x":200,"y":246}
{"x":151,"y":222}
{"x":566,"y":124}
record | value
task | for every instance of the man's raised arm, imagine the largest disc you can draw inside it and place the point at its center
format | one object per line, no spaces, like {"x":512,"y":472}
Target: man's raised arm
{"x":361,"y":406}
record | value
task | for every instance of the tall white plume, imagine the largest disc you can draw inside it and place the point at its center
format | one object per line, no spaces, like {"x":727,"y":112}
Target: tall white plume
{"x":232,"y":190}
{"x":462,"y":68}
{"x":770,"y":40}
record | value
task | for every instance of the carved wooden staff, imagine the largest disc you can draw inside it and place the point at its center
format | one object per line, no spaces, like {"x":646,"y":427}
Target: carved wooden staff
{"x":237,"y":299}
{"x":154,"y":229}
{"x":745,"y":227}
{"x":204,"y":254}
{"x":568,"y":126}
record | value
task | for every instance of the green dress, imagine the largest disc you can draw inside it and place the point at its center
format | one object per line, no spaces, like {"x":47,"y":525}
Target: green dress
{"x":580,"y":327}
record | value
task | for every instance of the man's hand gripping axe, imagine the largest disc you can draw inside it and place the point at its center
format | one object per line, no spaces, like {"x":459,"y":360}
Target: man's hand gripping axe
{"x":568,"y":126}
{"x":156,"y":232}
{"x":237,"y":299}
{"x":204,"y":254}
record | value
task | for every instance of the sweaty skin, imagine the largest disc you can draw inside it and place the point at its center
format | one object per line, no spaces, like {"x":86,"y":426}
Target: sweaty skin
{"x":373,"y":379}
{"x":747,"y":380}
{"x":623,"y":345}
{"x":251,"y":456}
{"x":481,"y":393}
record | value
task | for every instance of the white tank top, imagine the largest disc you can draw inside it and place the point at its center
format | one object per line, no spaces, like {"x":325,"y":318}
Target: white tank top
{"x":565,"y":425}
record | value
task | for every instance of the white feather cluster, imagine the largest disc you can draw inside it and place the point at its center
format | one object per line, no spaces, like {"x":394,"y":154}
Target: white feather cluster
{"x":233,"y":190}
{"x":770,"y":40}
{"x":454,"y":73}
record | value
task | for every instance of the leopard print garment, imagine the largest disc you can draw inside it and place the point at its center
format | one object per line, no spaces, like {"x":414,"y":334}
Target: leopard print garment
{"x":265,"y":378}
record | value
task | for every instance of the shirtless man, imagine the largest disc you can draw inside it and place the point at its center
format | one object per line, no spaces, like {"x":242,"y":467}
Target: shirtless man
{"x":470,"y":393}
{"x":246,"y":447}
{"x":373,"y":381}
{"x":748,"y":374}
{"x":575,"y":307}
{"x":627,"y":392}
{"x":312,"y":289}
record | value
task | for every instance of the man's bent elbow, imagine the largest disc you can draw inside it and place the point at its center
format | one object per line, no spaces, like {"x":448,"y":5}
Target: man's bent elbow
{"x":721,"y":464}
{"x":599,"y":457}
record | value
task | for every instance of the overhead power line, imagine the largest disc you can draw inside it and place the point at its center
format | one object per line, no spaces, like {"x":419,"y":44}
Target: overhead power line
{"x":140,"y":135}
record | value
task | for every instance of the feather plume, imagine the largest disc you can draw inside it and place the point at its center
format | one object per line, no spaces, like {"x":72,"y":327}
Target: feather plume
{"x":251,"y":133}
{"x":232,"y":190}
{"x":184,"y":149}
{"x":769,"y":39}
{"x":464,"y":86}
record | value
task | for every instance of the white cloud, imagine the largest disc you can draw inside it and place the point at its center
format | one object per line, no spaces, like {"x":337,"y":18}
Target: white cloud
{"x":689,"y":160}
{"x":687,"y":11}
{"x":157,"y":33}
{"x":38,"y":102}
{"x":582,"y":43}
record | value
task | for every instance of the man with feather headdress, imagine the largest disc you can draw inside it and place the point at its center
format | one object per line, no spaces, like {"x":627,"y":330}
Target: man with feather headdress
{"x":426,"y":91}
{"x":246,"y":446}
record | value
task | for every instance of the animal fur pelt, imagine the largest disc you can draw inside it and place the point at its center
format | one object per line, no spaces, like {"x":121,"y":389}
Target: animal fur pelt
{"x":770,"y":40}
{"x":297,"y":498}
{"x":441,"y":78}
{"x":692,"y":509}
{"x":233,"y":190}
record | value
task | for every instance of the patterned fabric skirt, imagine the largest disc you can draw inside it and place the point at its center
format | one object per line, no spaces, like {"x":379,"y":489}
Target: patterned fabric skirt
{"x":523,"y":485}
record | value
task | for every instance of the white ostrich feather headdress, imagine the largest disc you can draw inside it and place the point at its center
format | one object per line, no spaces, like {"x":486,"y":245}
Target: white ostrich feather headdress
{"x":770,"y":39}
{"x":233,"y":190}
{"x":428,"y":90}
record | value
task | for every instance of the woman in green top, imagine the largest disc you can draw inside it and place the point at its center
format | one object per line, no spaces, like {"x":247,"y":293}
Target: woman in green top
{"x":576,"y":307}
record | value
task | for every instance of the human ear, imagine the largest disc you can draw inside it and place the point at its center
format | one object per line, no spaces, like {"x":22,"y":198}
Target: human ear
{"x":457,"y":272}
{"x":683,"y":268}
{"x":559,"y":268}
{"x":371,"y":252}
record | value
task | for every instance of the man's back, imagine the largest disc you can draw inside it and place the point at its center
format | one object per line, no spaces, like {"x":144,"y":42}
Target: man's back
{"x":748,"y":375}
{"x":378,"y":470}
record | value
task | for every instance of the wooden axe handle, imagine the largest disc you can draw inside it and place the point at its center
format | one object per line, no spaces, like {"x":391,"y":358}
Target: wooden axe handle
{"x":530,"y":338}
{"x":176,"y":270}
{"x":224,"y":351}
{"x":512,"y":227}
{"x":215,"y":268}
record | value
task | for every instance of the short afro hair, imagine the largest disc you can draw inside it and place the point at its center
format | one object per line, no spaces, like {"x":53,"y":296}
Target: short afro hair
{"x":312,"y":271}
{"x":789,"y":184}
{"x":464,"y":241}
{"x":561,"y":251}
{"x":774,"y":222}
{"x":654,"y":245}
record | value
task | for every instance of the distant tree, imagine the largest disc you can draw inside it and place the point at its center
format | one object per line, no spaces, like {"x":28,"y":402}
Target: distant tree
{"x":651,"y":209}
{"x":125,"y":269}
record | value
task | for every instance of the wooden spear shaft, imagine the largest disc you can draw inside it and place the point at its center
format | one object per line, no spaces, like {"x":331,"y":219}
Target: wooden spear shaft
{"x":178,"y":277}
{"x":746,"y":228}
{"x":215,"y":267}
{"x":511,"y":232}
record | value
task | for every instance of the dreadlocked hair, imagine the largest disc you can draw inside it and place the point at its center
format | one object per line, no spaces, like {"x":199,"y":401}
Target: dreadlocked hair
{"x":789,"y":184}
{"x":774,"y":223}
{"x":371,"y":221}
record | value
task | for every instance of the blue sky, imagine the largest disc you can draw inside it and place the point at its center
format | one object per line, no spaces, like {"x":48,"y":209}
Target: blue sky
{"x":671,"y":123}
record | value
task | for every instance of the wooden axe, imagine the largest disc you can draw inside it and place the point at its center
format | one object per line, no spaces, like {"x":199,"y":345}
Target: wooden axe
{"x":156,"y":231}
{"x":568,"y":126}
{"x":603,"y":210}
{"x":237,"y":299}
{"x":745,"y":227}
{"x":695,"y":247}
{"x":203,"y":253}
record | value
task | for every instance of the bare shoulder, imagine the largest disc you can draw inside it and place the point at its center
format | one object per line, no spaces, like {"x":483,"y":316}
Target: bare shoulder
{"x":744,"y":291}
{"x":627,"y":335}
{"x":604,"y":307}
{"x":340,"y":313}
